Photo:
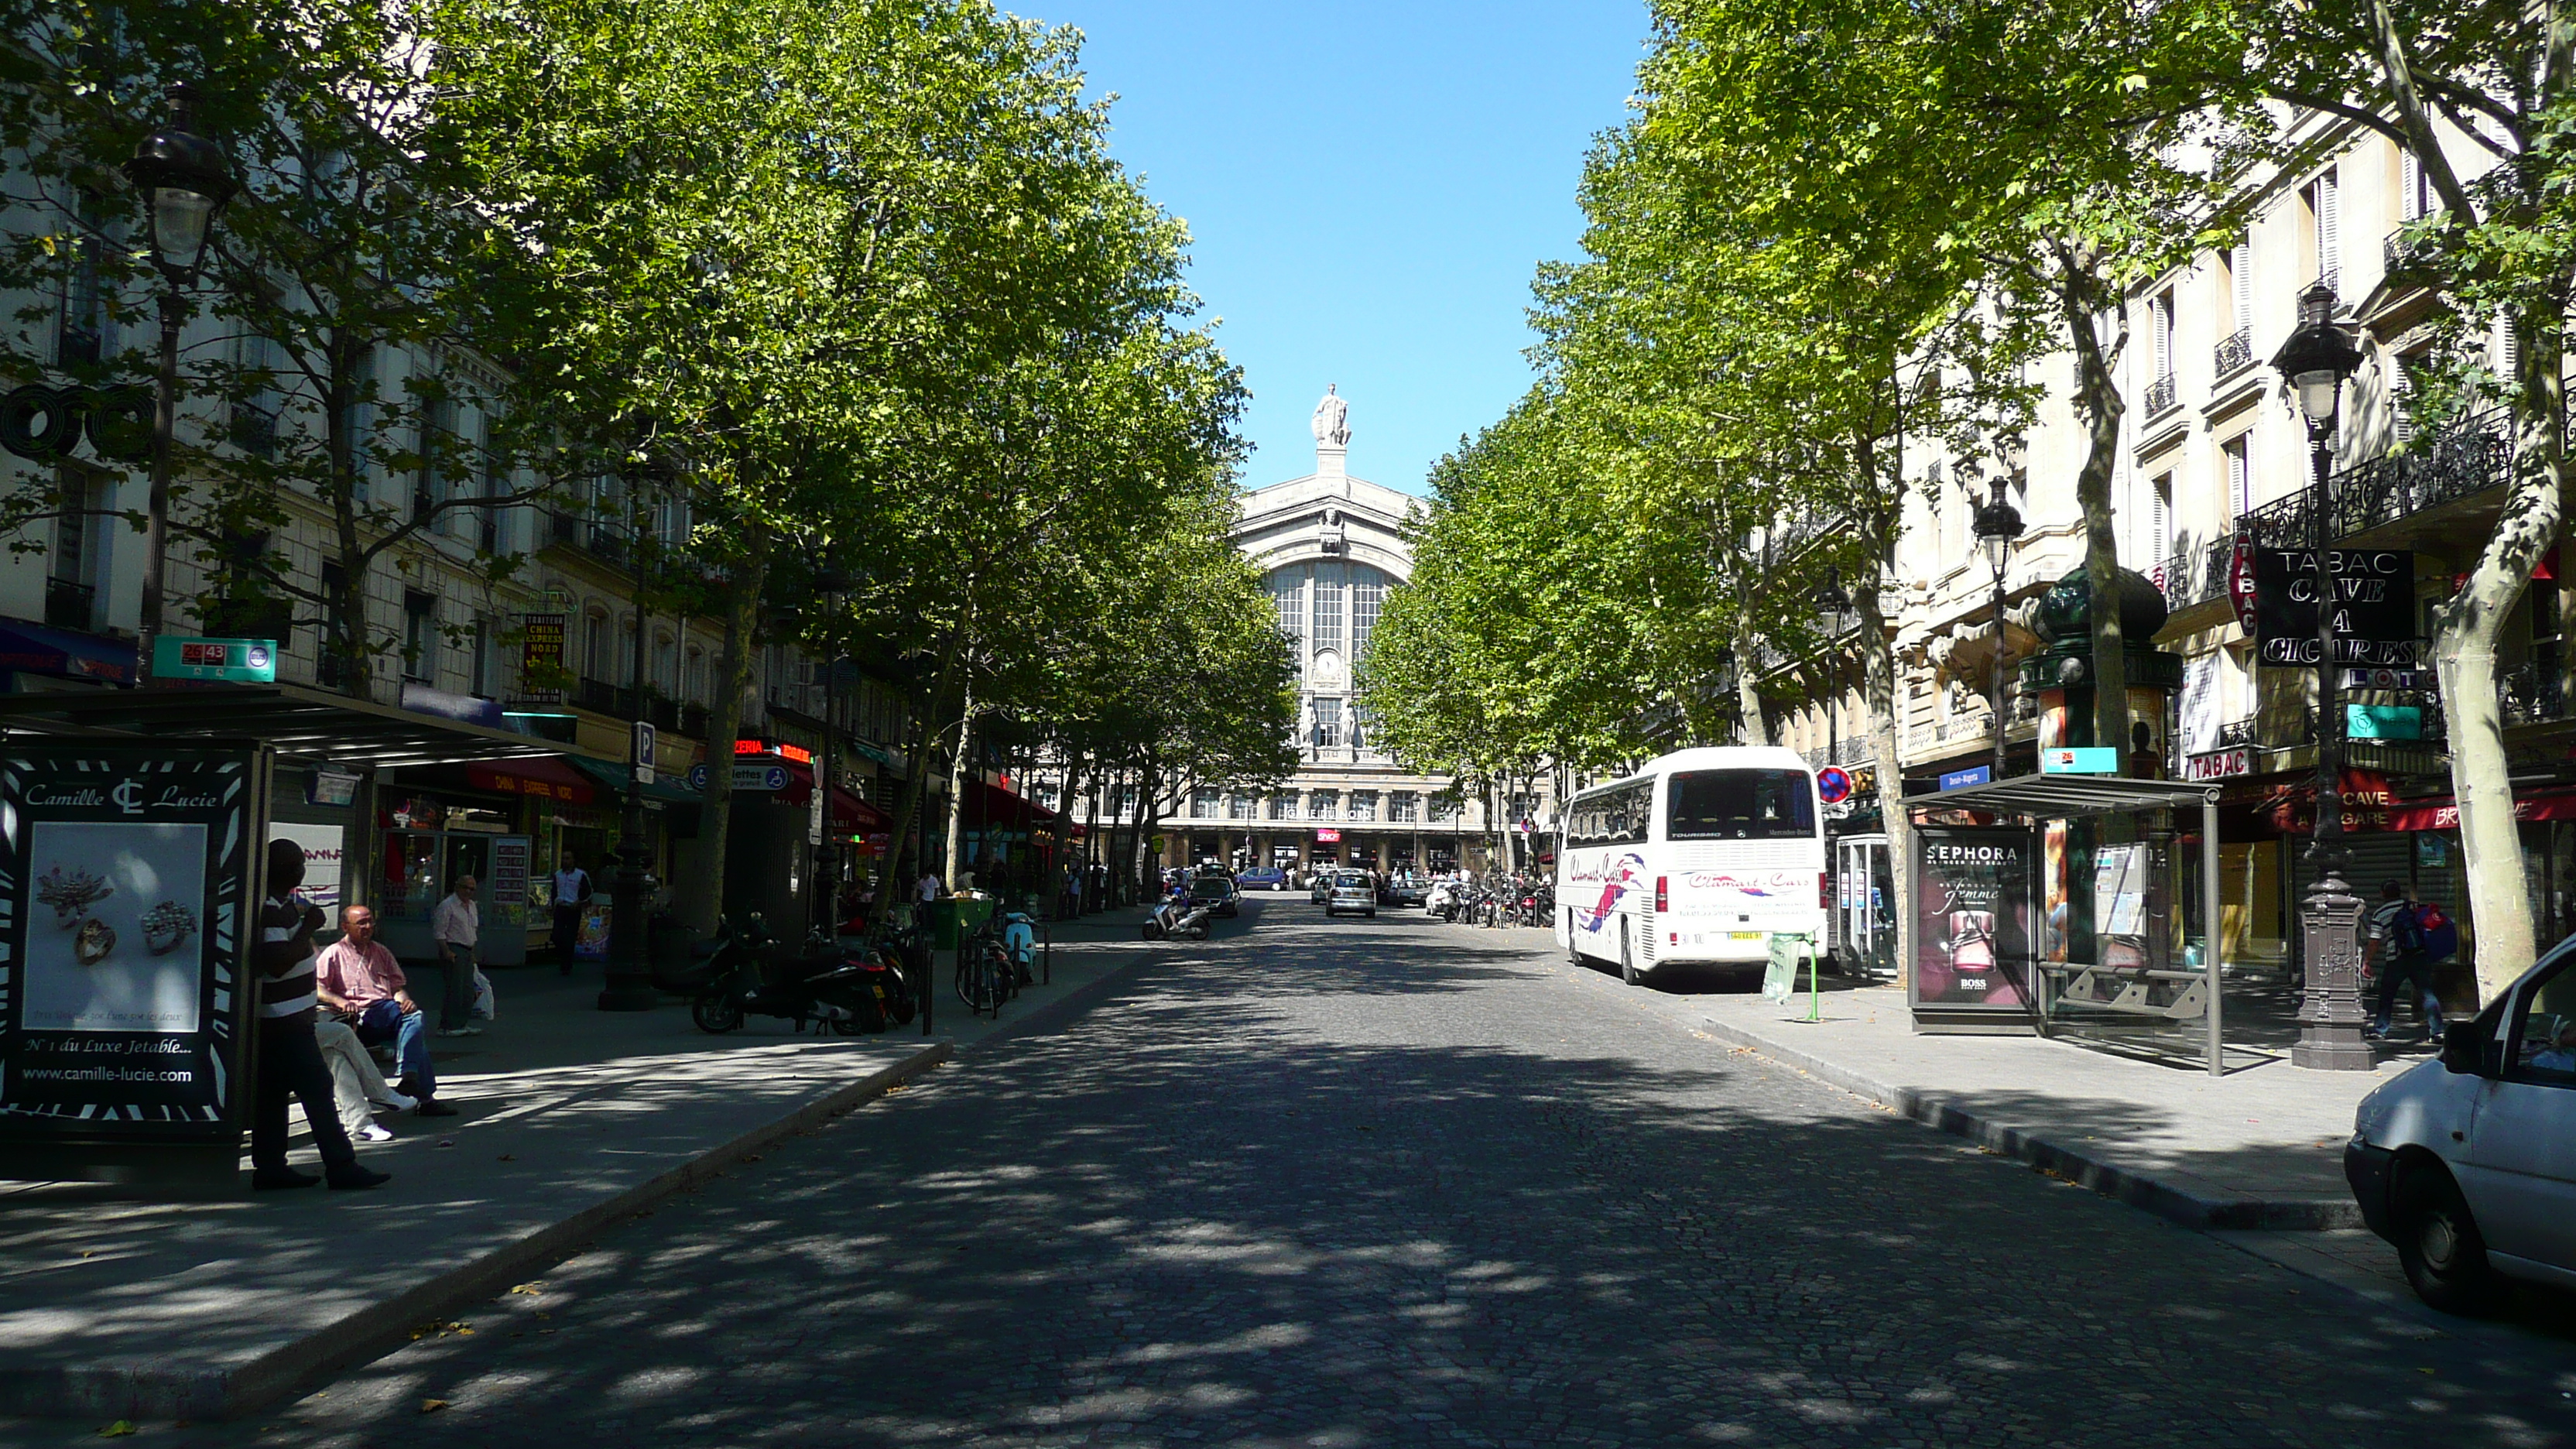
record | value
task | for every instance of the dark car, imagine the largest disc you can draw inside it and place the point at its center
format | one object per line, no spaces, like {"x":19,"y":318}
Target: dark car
{"x":1405,"y":891}
{"x":1217,"y":888}
{"x":1262,"y":878}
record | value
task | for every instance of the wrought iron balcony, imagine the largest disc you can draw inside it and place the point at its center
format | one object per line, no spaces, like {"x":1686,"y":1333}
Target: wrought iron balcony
{"x":2533,"y":693}
{"x":69,"y":605}
{"x":693,"y":721}
{"x":2460,"y":461}
{"x":2195,"y":574}
{"x":2233,"y":351}
{"x":2160,"y":395}
{"x":2407,"y":260}
{"x":254,"y":430}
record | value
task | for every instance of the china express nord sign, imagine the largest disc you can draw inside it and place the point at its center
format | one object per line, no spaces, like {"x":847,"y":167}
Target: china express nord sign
{"x":2372,"y":611}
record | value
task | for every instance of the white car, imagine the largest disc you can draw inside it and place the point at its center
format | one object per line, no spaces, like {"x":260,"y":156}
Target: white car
{"x":2468,"y":1163}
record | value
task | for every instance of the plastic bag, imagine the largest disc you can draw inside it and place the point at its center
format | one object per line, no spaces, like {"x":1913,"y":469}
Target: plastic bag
{"x":484,"y":1000}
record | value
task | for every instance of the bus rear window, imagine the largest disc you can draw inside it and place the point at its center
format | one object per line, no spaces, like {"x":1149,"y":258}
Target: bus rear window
{"x":1740,"y":805}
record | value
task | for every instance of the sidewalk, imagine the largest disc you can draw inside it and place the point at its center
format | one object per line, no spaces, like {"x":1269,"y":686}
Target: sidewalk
{"x":572,"y":1119}
{"x":2261,"y":1147}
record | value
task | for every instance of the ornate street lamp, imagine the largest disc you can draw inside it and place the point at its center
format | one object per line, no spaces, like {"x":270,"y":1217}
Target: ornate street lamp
{"x":831,"y":583}
{"x":1996,"y":525}
{"x":2316,"y":360}
{"x":1834,"y":601}
{"x":185,"y":183}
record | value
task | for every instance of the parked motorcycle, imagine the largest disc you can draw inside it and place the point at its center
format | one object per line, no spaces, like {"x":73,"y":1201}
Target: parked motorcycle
{"x":737,"y":940}
{"x":1442,"y":901}
{"x":836,"y":990}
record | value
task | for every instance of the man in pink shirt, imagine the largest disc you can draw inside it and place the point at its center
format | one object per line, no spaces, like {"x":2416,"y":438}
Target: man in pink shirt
{"x":360,"y":979}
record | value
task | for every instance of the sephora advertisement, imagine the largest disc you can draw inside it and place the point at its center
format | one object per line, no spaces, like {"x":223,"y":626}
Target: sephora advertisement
{"x":128,"y":873}
{"x":1973,"y":917}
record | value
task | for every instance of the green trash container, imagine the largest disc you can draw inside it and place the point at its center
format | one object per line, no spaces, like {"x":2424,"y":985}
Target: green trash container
{"x":946,"y":916}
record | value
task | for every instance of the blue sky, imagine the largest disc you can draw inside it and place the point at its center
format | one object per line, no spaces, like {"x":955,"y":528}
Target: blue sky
{"x":1368,"y":187}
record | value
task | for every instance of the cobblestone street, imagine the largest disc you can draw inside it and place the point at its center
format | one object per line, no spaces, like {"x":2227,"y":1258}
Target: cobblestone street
{"x":1340,"y":1183}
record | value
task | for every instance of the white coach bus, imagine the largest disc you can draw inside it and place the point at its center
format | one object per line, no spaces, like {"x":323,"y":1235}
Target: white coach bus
{"x":1696,"y":858}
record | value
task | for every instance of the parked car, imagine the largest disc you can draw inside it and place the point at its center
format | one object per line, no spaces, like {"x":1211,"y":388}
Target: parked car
{"x":1351,"y":890}
{"x":1405,"y":890}
{"x":1319,"y":886}
{"x":1262,"y":878}
{"x":1219,"y":889}
{"x":2467,"y":1163}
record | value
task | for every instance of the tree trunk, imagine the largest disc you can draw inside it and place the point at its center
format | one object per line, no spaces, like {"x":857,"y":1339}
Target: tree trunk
{"x":702,"y":903}
{"x":1750,"y":727}
{"x":959,"y":765}
{"x":2465,"y":631}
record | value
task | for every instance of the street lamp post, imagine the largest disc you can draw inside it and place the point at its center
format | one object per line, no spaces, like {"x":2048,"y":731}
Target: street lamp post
{"x":630,"y":963}
{"x":184,"y":183}
{"x":831,"y":584}
{"x":1996,"y":525}
{"x":2316,"y":360}
{"x":1836,"y":601}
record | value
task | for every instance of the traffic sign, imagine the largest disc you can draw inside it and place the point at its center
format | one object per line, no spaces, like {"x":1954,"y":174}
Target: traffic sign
{"x":644,"y":752}
{"x":1833,"y":784}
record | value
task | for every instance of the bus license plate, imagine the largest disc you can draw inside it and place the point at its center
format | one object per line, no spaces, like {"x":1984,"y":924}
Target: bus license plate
{"x":1744,"y":935}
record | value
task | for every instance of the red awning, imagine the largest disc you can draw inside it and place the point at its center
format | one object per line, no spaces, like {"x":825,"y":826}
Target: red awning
{"x":543,"y":777}
{"x":990,"y":807}
{"x":2445,"y":814}
{"x":849,"y":812}
{"x":2290,"y":808}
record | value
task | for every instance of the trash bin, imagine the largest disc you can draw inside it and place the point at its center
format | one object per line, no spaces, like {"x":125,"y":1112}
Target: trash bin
{"x":947,"y":915}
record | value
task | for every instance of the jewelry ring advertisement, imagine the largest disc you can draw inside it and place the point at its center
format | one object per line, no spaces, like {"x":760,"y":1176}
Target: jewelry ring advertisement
{"x":125,"y":870}
{"x":1972,"y":917}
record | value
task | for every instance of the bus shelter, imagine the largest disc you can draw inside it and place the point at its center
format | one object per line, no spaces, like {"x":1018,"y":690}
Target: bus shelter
{"x":2031,"y":920}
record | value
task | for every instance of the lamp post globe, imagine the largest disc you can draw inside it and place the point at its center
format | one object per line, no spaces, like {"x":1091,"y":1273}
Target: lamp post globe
{"x":2316,"y":360}
{"x":184,"y":182}
{"x":1996,"y":525}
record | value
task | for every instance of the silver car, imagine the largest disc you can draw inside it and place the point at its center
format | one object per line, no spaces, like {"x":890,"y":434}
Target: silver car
{"x":1352,"y":891}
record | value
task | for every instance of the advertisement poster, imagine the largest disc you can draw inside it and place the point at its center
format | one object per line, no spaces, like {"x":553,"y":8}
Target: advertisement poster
{"x":541,"y":656}
{"x":128,"y":873}
{"x":1972,"y":916}
{"x":323,"y":855}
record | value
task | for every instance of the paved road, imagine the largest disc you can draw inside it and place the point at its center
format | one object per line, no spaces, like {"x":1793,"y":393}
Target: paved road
{"x":1355,"y":1183}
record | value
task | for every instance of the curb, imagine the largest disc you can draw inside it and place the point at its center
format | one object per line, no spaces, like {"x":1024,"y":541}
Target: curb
{"x":2137,"y":1189}
{"x":137,"y":1392}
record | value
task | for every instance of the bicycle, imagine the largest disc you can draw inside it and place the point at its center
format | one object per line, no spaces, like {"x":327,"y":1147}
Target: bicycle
{"x":987,"y":974}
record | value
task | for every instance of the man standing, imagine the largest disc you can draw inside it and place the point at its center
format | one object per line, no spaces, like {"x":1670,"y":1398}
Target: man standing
{"x":290,"y":1061}
{"x":2399,"y":936}
{"x":456,"y":926}
{"x":572,"y":892}
{"x":357,"y":975}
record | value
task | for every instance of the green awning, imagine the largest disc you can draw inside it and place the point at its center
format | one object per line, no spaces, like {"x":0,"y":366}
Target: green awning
{"x":615,"y":774}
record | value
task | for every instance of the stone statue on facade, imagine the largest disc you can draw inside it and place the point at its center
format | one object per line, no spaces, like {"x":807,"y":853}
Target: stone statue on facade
{"x":1332,"y":419}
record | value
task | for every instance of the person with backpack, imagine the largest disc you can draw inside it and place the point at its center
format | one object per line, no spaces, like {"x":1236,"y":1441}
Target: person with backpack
{"x":2397,"y":927}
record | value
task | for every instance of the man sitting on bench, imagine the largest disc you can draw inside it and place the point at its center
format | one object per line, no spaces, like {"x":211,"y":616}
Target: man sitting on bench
{"x":360,"y":978}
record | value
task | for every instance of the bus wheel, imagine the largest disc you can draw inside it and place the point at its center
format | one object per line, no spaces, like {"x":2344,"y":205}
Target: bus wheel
{"x":1573,"y":942}
{"x":1627,"y":960}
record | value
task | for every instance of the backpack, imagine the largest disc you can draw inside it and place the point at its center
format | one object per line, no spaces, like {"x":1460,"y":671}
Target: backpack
{"x":2406,"y":928}
{"x":2436,"y":934}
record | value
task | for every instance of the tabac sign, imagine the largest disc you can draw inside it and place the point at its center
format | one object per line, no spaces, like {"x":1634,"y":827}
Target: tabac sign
{"x":2373,"y":607}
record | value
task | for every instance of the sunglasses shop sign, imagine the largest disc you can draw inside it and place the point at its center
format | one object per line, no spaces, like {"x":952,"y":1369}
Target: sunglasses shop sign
{"x":129,"y":873}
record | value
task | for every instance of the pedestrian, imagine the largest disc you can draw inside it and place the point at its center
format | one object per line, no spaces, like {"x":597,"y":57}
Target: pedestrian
{"x":2398,"y":935}
{"x":456,"y":926}
{"x":572,"y":893}
{"x":290,"y":1060}
{"x":361,"y":979}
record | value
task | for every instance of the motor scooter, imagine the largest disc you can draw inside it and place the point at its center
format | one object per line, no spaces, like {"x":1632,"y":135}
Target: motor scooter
{"x":1179,"y":915}
{"x":737,"y":940}
{"x":1441,"y":900}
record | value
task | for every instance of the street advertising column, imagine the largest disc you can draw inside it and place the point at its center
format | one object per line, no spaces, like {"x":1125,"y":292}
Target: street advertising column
{"x":1973,"y":921}
{"x":128,"y":873}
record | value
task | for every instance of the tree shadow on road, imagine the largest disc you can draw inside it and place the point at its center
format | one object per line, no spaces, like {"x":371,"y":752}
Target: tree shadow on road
{"x":1230,"y":1210}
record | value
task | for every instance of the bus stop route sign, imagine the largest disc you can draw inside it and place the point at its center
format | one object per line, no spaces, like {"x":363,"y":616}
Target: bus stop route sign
{"x":233,"y":661}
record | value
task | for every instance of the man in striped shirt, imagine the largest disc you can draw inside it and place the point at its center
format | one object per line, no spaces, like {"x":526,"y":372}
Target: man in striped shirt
{"x":290,"y":1060}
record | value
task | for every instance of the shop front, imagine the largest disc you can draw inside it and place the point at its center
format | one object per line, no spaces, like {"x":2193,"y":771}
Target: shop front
{"x":435,"y":824}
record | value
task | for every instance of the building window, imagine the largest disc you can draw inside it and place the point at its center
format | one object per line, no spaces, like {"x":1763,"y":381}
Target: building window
{"x":1368,"y":591}
{"x":420,"y":637}
{"x":594,"y":646}
{"x":1403,"y":807}
{"x":1322,"y":804}
{"x":1328,"y":723}
{"x":2240,"y":474}
{"x":1363,"y":805}
{"x":330,"y":668}
{"x":1203,"y":804}
{"x":666,"y":667}
{"x":72,"y":574}
{"x":1444,"y":807}
{"x":1283,"y":806}
{"x":2320,"y":222}
{"x":1328,"y":607}
{"x":1238,"y":806}
{"x":478,"y":661}
{"x":358,"y":419}
{"x":84,"y":334}
{"x":1126,"y":800}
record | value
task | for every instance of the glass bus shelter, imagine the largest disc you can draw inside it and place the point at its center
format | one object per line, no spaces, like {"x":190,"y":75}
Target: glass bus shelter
{"x":2034,"y":914}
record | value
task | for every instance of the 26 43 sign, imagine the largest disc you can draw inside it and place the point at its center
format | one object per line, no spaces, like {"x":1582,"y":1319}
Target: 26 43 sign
{"x":2373,"y":607}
